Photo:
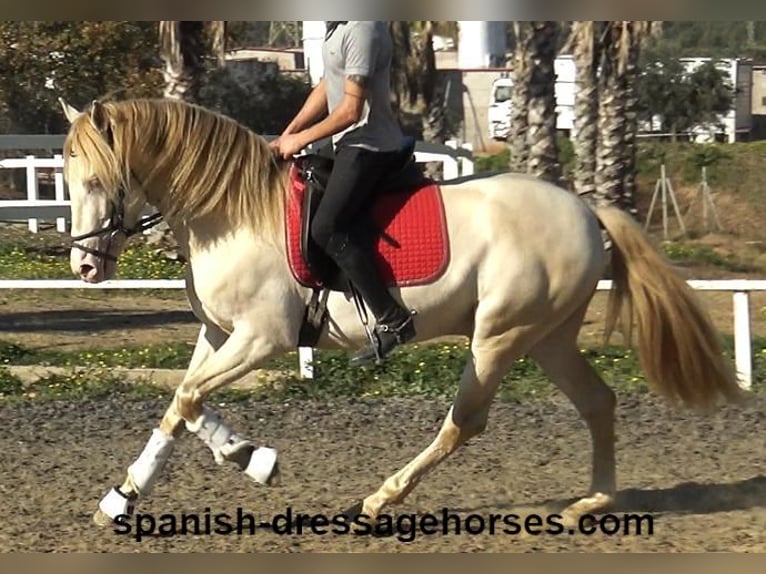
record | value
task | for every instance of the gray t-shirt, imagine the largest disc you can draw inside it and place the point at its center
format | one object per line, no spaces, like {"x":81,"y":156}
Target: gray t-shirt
{"x":363,"y":48}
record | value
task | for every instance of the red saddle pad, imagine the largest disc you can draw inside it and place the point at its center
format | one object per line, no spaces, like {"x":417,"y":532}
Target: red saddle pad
{"x":413,"y":248}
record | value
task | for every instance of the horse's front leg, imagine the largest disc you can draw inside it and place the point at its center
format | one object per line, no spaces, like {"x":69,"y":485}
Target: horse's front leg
{"x":217,"y":361}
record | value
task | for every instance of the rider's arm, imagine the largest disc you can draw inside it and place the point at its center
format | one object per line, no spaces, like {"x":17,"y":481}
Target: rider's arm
{"x":347,"y":113}
{"x":314,"y":107}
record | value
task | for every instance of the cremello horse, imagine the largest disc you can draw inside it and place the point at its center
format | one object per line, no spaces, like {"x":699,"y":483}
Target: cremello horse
{"x":526,"y":257}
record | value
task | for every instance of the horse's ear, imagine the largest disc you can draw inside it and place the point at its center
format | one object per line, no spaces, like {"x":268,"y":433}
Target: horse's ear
{"x":98,"y":116}
{"x":70,"y":112}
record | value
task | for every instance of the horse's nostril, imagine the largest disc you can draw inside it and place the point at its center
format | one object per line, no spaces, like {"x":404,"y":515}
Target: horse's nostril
{"x":86,"y":269}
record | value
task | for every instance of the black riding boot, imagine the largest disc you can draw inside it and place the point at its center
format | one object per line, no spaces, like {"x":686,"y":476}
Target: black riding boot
{"x":394,"y":324}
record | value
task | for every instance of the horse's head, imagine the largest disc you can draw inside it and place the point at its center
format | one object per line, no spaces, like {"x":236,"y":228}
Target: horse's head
{"x":106,"y":200}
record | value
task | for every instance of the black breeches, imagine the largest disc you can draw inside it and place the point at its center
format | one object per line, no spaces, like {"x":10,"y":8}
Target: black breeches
{"x":340,"y":225}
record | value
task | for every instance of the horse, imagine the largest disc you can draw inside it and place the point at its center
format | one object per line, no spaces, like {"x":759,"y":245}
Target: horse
{"x":524,"y":260}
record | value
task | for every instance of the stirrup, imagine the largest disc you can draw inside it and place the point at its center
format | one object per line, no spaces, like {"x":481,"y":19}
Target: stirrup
{"x":361,"y":310}
{"x":377,"y":351}
{"x":386,"y":328}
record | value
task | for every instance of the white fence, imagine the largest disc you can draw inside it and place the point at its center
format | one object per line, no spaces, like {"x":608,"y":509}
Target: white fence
{"x":457,"y":161}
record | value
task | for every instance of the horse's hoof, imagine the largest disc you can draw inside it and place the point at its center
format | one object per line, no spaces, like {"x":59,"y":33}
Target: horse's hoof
{"x":102,"y":519}
{"x":353,"y":512}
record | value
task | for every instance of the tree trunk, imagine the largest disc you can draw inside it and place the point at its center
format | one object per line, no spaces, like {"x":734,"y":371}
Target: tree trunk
{"x":543,"y":159}
{"x":522,"y":69}
{"x":182,"y":49}
{"x":631,"y":72}
{"x":414,"y":80}
{"x":618,"y":112}
{"x":585,"y":137}
{"x":416,"y":98}
{"x":612,"y":122}
{"x":217,"y":33}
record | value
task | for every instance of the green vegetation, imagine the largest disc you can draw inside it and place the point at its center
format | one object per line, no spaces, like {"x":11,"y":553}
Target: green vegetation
{"x":137,"y":262}
{"x":427,"y":371}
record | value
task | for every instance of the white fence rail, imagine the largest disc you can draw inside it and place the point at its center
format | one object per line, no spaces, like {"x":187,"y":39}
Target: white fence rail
{"x":739,"y":288}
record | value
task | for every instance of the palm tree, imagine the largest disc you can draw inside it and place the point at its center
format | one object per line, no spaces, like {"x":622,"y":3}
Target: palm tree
{"x":417,"y":97}
{"x":584,"y":45}
{"x":414,"y":80}
{"x":533,"y":116}
{"x":184,"y":45}
{"x":617,"y":123}
{"x":543,"y":159}
{"x":522,"y":70}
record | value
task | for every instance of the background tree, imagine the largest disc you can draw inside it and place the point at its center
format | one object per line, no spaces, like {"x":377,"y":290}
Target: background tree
{"x":80,"y":61}
{"x":185,"y":47}
{"x":519,"y":121}
{"x":584,"y":43}
{"x":677,"y":99}
{"x":617,"y":122}
{"x":418,"y":98}
{"x":543,"y":159}
{"x":532,"y":138}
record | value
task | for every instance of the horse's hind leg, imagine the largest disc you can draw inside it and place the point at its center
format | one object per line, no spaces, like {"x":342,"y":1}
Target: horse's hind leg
{"x":489,"y":361}
{"x":559,"y":357}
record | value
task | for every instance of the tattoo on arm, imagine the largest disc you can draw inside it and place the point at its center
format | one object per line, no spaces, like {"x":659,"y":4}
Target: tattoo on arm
{"x":361,"y":81}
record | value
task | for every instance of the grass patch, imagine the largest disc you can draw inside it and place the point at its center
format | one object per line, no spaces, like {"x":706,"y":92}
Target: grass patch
{"x":427,"y":371}
{"x":703,"y":255}
{"x":137,"y":262}
{"x":80,"y":383}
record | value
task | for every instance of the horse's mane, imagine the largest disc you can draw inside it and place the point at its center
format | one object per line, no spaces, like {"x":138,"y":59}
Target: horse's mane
{"x":200,"y":162}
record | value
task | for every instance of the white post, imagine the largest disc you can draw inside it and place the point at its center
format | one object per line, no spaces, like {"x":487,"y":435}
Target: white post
{"x":58,"y":178}
{"x":305,"y":360}
{"x":450,"y":163}
{"x":466,"y":165}
{"x":32,"y":189}
{"x":742,"y":349}
{"x":313,"y":39}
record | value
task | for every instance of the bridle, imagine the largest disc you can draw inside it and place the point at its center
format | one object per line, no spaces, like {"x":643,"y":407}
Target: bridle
{"x":116,"y":220}
{"x":116,"y":225}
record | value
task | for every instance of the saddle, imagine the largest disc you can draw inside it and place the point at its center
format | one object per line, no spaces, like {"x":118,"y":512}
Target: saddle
{"x":405,"y":228}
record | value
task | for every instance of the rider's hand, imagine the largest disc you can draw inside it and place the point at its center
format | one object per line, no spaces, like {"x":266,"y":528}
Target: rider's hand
{"x":287,"y":145}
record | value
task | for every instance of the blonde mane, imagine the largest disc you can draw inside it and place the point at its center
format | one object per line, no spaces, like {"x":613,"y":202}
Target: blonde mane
{"x":193,"y":161}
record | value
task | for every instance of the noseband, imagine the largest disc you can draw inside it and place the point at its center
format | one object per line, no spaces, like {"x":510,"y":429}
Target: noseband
{"x":116,"y":225}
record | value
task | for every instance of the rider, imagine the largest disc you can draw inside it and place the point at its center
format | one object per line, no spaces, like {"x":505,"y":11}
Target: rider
{"x":366,"y":138}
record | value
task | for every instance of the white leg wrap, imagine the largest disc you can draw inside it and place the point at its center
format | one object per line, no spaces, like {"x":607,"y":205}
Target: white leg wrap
{"x":214,"y":432}
{"x":261,"y":464}
{"x":115,"y":503}
{"x":149,"y":464}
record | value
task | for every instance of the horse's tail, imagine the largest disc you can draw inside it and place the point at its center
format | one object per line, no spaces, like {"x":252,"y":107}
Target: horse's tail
{"x":680,"y":349}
